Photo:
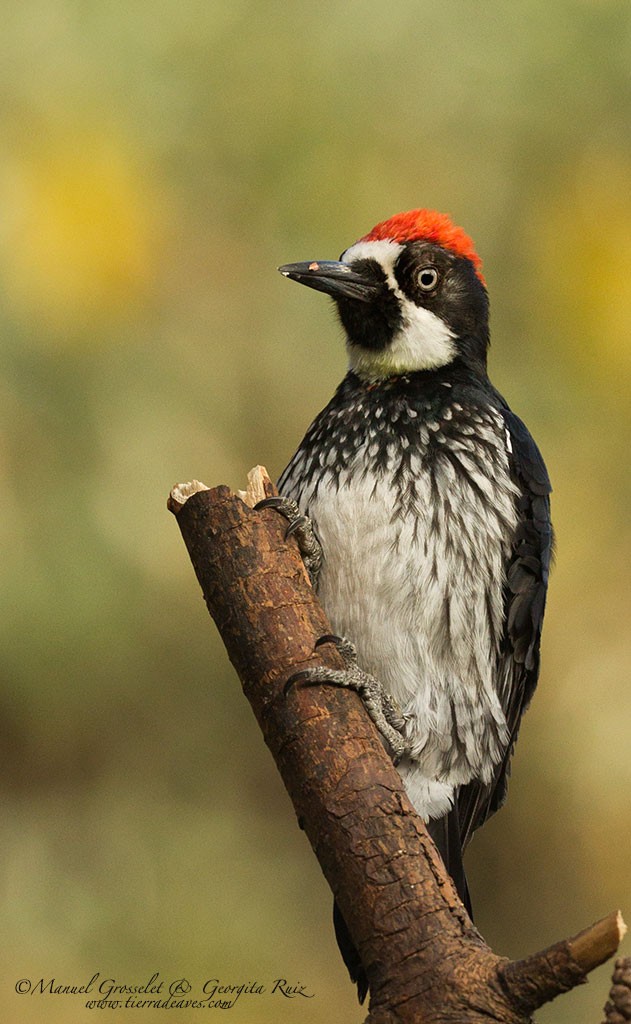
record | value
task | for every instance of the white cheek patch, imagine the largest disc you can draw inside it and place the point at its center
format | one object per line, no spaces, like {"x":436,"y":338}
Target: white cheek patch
{"x":424,"y":342}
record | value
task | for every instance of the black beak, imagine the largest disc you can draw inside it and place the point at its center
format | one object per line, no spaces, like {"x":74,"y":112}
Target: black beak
{"x":336,"y":279}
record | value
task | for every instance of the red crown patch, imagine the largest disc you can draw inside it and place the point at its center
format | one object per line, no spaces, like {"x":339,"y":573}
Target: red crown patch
{"x":427,"y":226}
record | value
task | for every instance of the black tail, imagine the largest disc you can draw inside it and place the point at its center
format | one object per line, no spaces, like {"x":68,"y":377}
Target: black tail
{"x":445,"y":833}
{"x":349,"y":954}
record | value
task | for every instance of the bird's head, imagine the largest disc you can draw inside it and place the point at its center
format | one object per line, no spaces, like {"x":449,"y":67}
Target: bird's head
{"x":410,"y":295}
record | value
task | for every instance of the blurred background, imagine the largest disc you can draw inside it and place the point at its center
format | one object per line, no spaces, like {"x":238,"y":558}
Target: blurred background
{"x":159,"y":160}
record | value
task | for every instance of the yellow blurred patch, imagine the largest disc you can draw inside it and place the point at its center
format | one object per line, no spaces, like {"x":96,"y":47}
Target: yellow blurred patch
{"x":582,"y":237}
{"x":77,"y":244}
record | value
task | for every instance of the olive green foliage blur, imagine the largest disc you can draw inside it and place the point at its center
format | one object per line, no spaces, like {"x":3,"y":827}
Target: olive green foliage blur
{"x":159,"y":161}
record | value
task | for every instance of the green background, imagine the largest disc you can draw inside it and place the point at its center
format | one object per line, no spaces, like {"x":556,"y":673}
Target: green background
{"x":159,"y":160}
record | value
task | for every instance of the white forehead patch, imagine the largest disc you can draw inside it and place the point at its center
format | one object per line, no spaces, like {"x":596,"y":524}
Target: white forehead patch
{"x":424,"y":342}
{"x":386,"y":252}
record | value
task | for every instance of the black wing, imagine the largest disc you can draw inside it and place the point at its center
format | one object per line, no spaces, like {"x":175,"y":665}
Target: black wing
{"x":527,"y":572}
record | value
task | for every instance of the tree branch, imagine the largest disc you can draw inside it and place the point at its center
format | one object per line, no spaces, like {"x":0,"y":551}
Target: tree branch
{"x":424,"y":958}
{"x":618,"y":1007}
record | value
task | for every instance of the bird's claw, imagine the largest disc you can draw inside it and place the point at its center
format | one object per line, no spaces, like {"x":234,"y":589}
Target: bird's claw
{"x":344,"y":646}
{"x":301,"y":528}
{"x":382,"y":708}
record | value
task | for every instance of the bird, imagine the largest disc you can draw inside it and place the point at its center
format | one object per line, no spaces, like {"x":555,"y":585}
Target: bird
{"x":422,"y":506}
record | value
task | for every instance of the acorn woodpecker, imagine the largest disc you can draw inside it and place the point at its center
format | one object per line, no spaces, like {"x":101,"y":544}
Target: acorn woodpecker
{"x":430,"y":503}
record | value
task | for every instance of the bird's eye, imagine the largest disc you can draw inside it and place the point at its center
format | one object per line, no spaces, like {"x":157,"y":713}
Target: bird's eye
{"x":427,"y":279}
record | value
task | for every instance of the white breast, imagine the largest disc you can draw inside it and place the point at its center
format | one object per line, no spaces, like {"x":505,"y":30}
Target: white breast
{"x":414,"y":578}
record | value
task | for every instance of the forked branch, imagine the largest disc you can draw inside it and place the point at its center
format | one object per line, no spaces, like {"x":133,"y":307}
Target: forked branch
{"x":424,"y":958}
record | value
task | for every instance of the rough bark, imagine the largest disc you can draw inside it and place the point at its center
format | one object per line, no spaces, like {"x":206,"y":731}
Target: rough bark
{"x":618,"y":1006}
{"x":424,"y":958}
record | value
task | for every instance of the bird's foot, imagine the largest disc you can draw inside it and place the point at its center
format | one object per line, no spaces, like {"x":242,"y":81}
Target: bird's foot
{"x":301,"y":528}
{"x":381,"y":707}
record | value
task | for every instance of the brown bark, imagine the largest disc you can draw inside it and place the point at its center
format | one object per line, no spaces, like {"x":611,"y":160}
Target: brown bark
{"x":424,"y":958}
{"x":618,"y":1006}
